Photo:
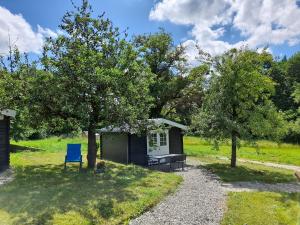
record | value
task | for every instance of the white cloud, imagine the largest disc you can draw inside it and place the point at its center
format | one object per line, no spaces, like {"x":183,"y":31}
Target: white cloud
{"x":259,"y":22}
{"x":21,"y":33}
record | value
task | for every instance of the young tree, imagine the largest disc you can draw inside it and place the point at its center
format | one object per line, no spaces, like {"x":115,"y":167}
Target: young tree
{"x":237,"y":102}
{"x":96,"y":78}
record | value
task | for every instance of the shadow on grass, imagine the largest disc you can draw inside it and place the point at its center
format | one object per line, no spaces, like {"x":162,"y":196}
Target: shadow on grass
{"x":286,"y":197}
{"x":249,"y":173}
{"x":38,"y":192}
{"x":19,"y":148}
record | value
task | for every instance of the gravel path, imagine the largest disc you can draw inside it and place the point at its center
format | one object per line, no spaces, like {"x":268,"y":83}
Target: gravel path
{"x":199,"y":200}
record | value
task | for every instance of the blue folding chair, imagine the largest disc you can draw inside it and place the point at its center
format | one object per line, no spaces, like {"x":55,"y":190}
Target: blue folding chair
{"x":73,"y":154}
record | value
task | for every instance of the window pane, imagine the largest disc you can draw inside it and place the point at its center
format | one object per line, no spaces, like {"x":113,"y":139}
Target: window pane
{"x":153,"y":140}
{"x":163,"y":139}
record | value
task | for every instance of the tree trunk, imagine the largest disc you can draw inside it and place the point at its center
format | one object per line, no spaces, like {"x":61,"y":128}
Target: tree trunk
{"x":233,"y":149}
{"x":92,"y":148}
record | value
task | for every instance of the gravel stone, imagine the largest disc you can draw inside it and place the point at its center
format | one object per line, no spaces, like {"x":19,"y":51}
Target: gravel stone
{"x":200,"y":199}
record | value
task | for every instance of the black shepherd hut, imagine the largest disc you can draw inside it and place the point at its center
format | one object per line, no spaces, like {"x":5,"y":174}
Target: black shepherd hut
{"x":126,"y":147}
{"x":5,"y":116}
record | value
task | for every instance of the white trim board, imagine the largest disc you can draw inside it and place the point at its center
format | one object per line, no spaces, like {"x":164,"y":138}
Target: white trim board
{"x":169,"y":122}
{"x":8,"y":112}
{"x":157,"y":121}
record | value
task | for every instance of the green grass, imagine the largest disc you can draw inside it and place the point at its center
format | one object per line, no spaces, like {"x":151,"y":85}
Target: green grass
{"x":251,"y":172}
{"x":262,"y":208}
{"x":42,"y":193}
{"x":52,"y":144}
{"x":268,"y":151}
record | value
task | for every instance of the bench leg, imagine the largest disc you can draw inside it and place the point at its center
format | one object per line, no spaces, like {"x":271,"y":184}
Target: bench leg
{"x":65,"y":167}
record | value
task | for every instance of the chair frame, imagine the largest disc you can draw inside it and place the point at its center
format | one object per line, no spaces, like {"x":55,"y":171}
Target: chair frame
{"x":73,"y":161}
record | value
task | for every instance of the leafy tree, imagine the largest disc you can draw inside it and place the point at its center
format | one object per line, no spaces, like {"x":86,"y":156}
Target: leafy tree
{"x":293,"y":73}
{"x":237,"y":102}
{"x":95,"y":77}
{"x":294,"y":68}
{"x":167,"y":63}
{"x":283,"y":86}
{"x":296,"y":124}
{"x":191,"y":96}
{"x":286,"y":74}
{"x":16,"y":74}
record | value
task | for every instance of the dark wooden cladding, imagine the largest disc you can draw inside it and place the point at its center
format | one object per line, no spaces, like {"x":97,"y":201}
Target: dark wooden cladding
{"x":4,"y":143}
{"x":115,"y":147}
{"x":175,"y":141}
{"x":138,"y":149}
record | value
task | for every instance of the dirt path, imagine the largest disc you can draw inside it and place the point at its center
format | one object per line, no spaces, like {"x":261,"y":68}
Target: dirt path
{"x":270,"y":164}
{"x":257,"y":186}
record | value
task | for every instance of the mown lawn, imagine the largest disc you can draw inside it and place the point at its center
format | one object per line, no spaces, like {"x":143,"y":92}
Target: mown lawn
{"x":251,"y":172}
{"x":51,"y":144}
{"x":267,"y":152}
{"x":262,"y":208}
{"x":42,"y":193}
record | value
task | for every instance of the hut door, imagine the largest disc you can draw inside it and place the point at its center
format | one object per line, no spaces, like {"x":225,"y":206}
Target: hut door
{"x":158,"y":143}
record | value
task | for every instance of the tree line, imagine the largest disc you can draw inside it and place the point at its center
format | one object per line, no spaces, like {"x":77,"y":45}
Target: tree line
{"x":92,"y":76}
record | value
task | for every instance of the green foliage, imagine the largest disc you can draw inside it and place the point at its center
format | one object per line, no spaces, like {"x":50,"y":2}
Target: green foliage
{"x":283,"y":86}
{"x":262,"y":208}
{"x":182,"y":108}
{"x":296,"y":124}
{"x":237,"y":101}
{"x":294,"y":68}
{"x":96,"y":78}
{"x":238,"y":98}
{"x":16,"y":80}
{"x":286,"y":75}
{"x":167,"y":62}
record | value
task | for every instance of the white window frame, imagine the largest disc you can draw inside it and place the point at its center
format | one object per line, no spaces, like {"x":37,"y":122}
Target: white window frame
{"x":160,"y":150}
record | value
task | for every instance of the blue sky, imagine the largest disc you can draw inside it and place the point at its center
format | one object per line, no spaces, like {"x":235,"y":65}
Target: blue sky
{"x":214,"y":25}
{"x":133,"y":14}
